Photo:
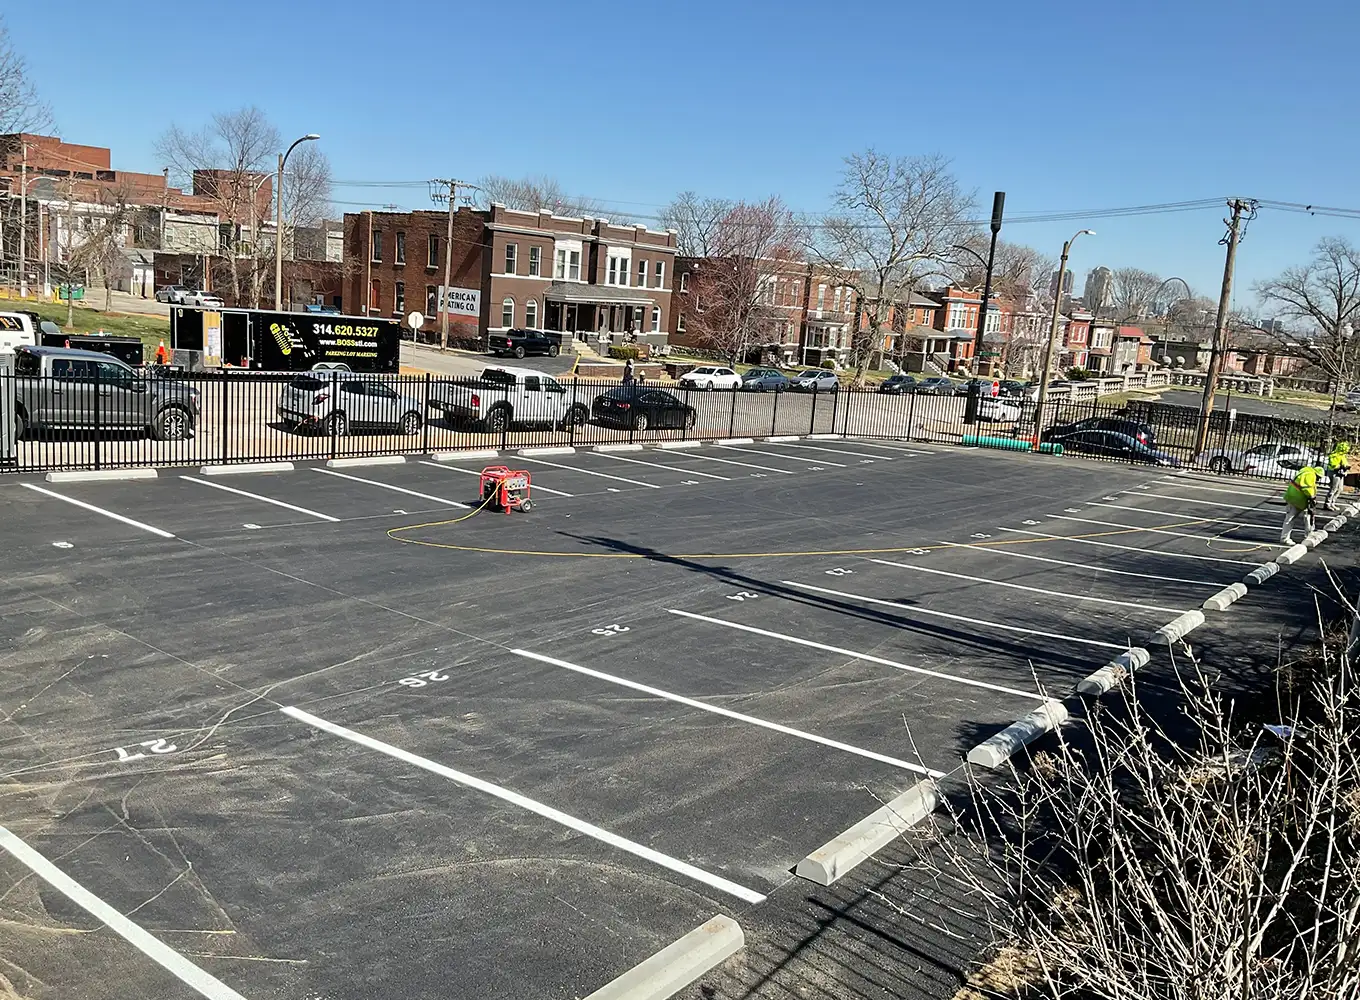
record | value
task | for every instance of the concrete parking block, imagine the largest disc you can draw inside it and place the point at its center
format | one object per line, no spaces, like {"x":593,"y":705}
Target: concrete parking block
{"x":781,"y":439}
{"x":1315,"y":538}
{"x":348,"y":463}
{"x":672,"y":445}
{"x":564,"y":449}
{"x":871,"y":834}
{"x":1262,"y":573}
{"x":1229,"y":594}
{"x":1177,"y":628}
{"x":99,"y":475}
{"x":1335,"y":524}
{"x":455,"y":456}
{"x":677,"y":965}
{"x":244,"y":468}
{"x":1113,"y":673}
{"x":728,"y":442}
{"x":1000,"y":748}
{"x":1291,"y":555}
{"x":825,"y":437}
{"x":618,"y":447}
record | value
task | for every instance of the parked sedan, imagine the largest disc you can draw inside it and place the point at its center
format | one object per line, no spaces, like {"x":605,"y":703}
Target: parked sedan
{"x":638,"y":407}
{"x":202,"y":300}
{"x":898,"y":384}
{"x":337,"y":402}
{"x":1011,"y":387}
{"x":1108,"y":444}
{"x":172,"y":293}
{"x":1276,"y":459}
{"x":765,"y":380}
{"x":710,"y":377}
{"x":999,"y":410}
{"x":816,"y":380}
{"x":935,"y":387}
{"x":1136,"y":429}
{"x":986,"y":387}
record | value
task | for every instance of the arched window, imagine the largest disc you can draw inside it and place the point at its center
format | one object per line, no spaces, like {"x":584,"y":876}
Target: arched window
{"x":508,"y":313}
{"x":531,"y":314}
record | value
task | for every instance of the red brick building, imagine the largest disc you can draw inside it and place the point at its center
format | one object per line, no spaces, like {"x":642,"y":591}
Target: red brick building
{"x":587,"y":279}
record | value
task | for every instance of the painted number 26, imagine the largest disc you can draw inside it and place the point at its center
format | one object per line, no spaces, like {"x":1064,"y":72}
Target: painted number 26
{"x":423,"y":678}
{"x":155,"y":746}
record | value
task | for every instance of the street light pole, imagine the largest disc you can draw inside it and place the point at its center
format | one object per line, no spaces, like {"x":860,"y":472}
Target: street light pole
{"x":1344,"y":333}
{"x":1053,"y":334}
{"x":23,"y":224}
{"x":278,"y":220}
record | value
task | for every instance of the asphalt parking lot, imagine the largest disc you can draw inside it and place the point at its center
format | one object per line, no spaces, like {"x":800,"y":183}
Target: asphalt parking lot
{"x":333,"y":734}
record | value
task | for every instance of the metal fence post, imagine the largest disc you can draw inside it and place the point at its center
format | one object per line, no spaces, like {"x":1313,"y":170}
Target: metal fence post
{"x":98,"y":423}
{"x":911,"y":416}
{"x":835,"y":405}
{"x":335,"y":402}
{"x":684,"y":424}
{"x":732,"y":420}
{"x":571,"y":412}
{"x":812,"y":420}
{"x":424,"y":412}
{"x":774,"y":415}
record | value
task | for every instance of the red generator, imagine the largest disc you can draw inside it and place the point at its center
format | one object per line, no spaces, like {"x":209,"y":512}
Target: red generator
{"x":506,"y":488}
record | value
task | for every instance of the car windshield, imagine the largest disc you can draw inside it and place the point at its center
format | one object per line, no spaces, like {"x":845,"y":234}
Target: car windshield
{"x":307,"y":382}
{"x":810,"y":373}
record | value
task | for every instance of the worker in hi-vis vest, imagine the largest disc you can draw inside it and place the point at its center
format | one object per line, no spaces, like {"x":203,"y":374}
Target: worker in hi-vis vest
{"x":1299,"y":497}
{"x":1338,"y":464}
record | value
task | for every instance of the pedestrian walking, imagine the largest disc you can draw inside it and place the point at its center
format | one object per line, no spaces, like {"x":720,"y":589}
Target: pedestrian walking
{"x":1338,"y":464}
{"x":1299,"y":497}
{"x":628,"y":372}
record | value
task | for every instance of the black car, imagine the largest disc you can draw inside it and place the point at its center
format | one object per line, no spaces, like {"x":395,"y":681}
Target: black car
{"x":522,"y":342}
{"x":1136,"y":429}
{"x":638,"y":407}
{"x":897,"y":384}
{"x":1108,"y":444}
{"x":765,"y":380}
{"x":1012,"y":387}
{"x":936,"y":386}
{"x":984,"y":387}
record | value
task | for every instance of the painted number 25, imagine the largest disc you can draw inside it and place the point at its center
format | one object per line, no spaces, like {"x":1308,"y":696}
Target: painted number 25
{"x":155,"y":746}
{"x":423,"y":678}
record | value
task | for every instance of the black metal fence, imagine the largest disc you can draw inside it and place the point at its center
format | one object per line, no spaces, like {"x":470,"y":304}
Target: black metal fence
{"x":233,"y":417}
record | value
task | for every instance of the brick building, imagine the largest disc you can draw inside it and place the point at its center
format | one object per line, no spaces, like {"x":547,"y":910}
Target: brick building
{"x":586,"y":279}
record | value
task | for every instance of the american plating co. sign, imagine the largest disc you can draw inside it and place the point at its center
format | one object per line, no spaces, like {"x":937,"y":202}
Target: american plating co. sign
{"x":462,"y":301}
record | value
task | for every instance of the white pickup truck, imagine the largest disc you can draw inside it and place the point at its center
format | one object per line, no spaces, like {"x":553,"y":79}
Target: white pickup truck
{"x":502,"y":397}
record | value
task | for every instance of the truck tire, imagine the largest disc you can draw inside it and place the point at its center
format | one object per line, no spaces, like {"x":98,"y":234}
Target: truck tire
{"x":554,"y":350}
{"x":1220,"y":464}
{"x":576,"y":416}
{"x":22,"y":430}
{"x":410,"y":423}
{"x":640,"y":422}
{"x":172,"y":423}
{"x":337,"y":425}
{"x":498,"y":419}
{"x":519,"y":352}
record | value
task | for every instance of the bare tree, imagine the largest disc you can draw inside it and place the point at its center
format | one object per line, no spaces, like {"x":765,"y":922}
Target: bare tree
{"x":226,"y":162}
{"x":530,"y":194}
{"x":21,"y":110}
{"x":697,"y":222}
{"x":1016,"y":271}
{"x":751,"y":246}
{"x":102,"y":250}
{"x":1201,"y":858}
{"x":895,"y":223}
{"x":1324,"y":295}
{"x":1133,"y":292}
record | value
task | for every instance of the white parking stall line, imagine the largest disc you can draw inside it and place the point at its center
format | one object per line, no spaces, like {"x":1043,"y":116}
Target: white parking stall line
{"x":958,"y":618}
{"x":903,"y":447}
{"x":1140,"y":549}
{"x":866,"y":657}
{"x":658,"y":465}
{"x":255,"y":496}
{"x":394,"y":489}
{"x":588,"y":472}
{"x":744,"y":465}
{"x":775,"y":454}
{"x":838,"y":451}
{"x":1274,"y":491}
{"x":150,"y":946}
{"x":996,"y":551}
{"x":98,"y":510}
{"x":727,"y":713}
{"x":1161,"y":531}
{"x":526,"y":803}
{"x":468,"y":472}
{"x":1032,"y":590}
{"x":1194,"y":500}
{"x":1198,"y":517}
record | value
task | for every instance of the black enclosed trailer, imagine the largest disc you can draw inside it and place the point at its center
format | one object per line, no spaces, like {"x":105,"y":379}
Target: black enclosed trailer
{"x":128,"y":349}
{"x":287,"y":341}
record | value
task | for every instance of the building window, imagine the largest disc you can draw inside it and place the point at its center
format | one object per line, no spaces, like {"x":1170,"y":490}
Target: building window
{"x":511,"y":257}
{"x":400,"y":250}
{"x":956,"y":317}
{"x":835,"y":301}
{"x":531,"y":314}
{"x":574,"y":266}
{"x":399,"y":299}
{"x":821,"y":297}
{"x":374,"y":295}
{"x":613,"y":271}
{"x":656,"y":319}
{"x":431,"y":300}
{"x":680,"y":320}
{"x":661,"y":274}
{"x":535,"y":261}
{"x":508,"y":313}
{"x":642,"y":274}
{"x":376,"y":249}
{"x":684,"y":279}
{"x":432,"y":251}
{"x":560,"y":266}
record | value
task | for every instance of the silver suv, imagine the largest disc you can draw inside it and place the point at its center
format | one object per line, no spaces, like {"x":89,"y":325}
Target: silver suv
{"x":335,"y":402}
{"x":68,"y":389}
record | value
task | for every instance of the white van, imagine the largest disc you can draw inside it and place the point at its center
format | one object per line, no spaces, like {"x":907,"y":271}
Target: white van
{"x":16,"y":330}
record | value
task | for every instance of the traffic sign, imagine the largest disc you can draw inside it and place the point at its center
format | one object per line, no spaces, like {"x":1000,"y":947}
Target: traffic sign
{"x":415,"y":320}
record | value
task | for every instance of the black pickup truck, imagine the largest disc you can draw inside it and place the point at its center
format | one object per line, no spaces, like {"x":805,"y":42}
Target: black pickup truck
{"x":521,"y":343}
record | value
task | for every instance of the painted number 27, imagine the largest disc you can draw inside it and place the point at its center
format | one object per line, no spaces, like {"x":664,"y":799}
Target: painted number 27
{"x":155,"y":746}
{"x":423,"y":678}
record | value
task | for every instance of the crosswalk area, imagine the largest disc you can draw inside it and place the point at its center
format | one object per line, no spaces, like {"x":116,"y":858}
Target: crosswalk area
{"x":633,"y":708}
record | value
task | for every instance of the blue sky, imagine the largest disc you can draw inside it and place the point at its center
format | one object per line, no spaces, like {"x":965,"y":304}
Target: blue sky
{"x":1065,"y":106}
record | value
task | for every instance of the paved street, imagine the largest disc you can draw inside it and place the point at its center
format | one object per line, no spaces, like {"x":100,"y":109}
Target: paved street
{"x":330,"y":733}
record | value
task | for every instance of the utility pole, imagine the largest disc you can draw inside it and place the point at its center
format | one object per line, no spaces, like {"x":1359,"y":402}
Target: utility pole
{"x":1053,"y":337}
{"x":1236,"y":226}
{"x":451,"y":197}
{"x":23,"y":223}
